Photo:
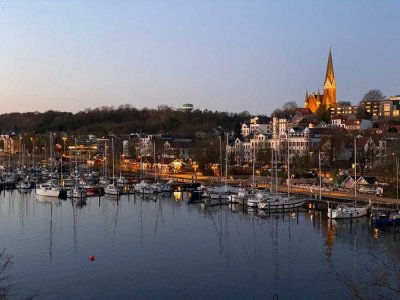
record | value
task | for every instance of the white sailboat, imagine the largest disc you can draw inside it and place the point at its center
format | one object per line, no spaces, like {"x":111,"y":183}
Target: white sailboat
{"x":48,"y":189}
{"x":347,"y":211}
{"x":279,"y":201}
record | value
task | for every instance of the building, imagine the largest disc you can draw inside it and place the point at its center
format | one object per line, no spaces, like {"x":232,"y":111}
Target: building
{"x":341,"y":109}
{"x":328,"y":99}
{"x":390,"y":108}
{"x":258,"y":124}
{"x":371,"y":107}
{"x":357,"y":124}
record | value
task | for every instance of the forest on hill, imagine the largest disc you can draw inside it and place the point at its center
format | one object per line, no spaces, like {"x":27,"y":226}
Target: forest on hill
{"x":124,"y":119}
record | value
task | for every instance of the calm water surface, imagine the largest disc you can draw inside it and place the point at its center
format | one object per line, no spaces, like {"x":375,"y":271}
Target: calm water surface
{"x":169,"y":249}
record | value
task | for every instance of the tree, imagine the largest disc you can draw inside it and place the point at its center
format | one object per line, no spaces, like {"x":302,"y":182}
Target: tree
{"x":263,"y":156}
{"x":276,"y":113}
{"x":291,"y":105}
{"x":373,"y":95}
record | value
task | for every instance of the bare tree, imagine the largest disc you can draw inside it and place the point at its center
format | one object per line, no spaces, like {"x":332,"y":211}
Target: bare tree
{"x":290,"y":105}
{"x":373,"y":95}
{"x":5,"y":262}
{"x":381,"y":279}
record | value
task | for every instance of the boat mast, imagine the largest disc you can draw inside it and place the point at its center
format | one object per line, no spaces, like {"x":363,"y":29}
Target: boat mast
{"x":320,"y":175}
{"x":272,"y":168}
{"x":254,"y":160}
{"x":155,"y":165}
{"x":226,"y":158}
{"x":61,"y":171}
{"x":355,"y":169}
{"x":220,"y":156}
{"x":112,"y":151}
{"x":276,"y":170}
{"x":104,"y":160}
{"x":76,"y":159}
{"x":288,"y":162}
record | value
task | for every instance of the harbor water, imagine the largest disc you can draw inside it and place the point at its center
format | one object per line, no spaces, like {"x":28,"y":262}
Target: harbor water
{"x":165,"y":248}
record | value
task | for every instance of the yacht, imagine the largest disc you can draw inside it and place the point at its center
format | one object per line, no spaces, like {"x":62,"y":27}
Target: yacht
{"x":111,"y":189}
{"x":48,"y":189}
{"x":346,"y":212}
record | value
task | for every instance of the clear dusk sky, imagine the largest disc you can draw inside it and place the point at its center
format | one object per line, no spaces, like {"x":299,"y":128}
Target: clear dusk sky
{"x":221,"y":55}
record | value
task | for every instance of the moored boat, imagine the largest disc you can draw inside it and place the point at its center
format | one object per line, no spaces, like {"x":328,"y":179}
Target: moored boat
{"x":48,"y":190}
{"x":385,"y":219}
{"x":346,"y":212}
{"x":111,"y":189}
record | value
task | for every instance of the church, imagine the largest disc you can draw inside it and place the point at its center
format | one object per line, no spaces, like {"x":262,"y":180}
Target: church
{"x":328,"y":99}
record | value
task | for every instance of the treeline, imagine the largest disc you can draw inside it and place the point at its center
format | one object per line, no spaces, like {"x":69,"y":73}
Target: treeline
{"x":124,"y":119}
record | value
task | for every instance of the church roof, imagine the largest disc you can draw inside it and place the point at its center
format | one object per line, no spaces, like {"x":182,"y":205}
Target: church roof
{"x":329,"y":69}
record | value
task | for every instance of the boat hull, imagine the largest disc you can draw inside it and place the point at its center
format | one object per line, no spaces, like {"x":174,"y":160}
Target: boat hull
{"x":347,"y":213}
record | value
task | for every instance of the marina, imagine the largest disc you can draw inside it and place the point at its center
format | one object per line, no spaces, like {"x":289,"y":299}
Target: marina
{"x":214,"y":252}
{"x":199,"y":150}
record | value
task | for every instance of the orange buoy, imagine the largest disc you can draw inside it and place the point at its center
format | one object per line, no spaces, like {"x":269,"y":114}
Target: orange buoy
{"x":91,"y":258}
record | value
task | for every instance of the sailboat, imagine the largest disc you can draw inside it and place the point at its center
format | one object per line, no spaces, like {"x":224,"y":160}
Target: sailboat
{"x":349,"y":211}
{"x":49,"y":189}
{"x":223,"y":192}
{"x":277,"y":201}
{"x":112,"y":189}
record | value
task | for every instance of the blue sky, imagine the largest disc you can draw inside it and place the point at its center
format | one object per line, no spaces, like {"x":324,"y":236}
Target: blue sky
{"x":220,"y":55}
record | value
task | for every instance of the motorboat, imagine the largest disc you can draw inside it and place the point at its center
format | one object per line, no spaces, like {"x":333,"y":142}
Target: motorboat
{"x":346,"y":212}
{"x":111,"y":189}
{"x":144,"y":188}
{"x":222,"y":192}
{"x":385,"y":219}
{"x":24,"y":184}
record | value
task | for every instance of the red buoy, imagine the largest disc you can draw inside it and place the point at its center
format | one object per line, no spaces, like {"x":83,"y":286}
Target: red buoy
{"x":91,"y":258}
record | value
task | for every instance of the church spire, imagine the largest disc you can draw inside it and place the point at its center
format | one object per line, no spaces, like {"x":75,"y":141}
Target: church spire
{"x":306,"y":99}
{"x":330,"y":75}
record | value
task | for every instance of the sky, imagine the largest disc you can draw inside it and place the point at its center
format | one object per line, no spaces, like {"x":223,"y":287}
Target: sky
{"x":220,"y":55}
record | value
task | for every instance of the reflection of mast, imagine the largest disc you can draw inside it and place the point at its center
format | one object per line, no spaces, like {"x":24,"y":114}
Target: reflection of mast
{"x":75,"y":230}
{"x":115,"y":219}
{"x":51,"y":234}
{"x":226,"y":235}
{"x":274,"y":239}
{"x":254,"y":248}
{"x":159,"y":212}
{"x":219,"y":234}
{"x":141,"y":222}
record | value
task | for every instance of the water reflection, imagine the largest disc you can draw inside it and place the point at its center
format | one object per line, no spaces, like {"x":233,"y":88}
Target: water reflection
{"x":141,"y":239}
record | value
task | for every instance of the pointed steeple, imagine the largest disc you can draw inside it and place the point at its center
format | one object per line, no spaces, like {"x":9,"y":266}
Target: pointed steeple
{"x":330,"y":75}
{"x":306,"y":99}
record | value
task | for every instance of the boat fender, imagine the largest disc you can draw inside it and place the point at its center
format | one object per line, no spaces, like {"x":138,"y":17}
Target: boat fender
{"x":91,"y":258}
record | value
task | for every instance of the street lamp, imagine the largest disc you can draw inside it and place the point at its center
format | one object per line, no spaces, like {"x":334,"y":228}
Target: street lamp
{"x":64,"y":139}
{"x":195,"y":166}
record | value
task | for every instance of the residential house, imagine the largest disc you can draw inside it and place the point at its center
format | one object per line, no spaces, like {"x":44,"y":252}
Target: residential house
{"x":358,"y":124}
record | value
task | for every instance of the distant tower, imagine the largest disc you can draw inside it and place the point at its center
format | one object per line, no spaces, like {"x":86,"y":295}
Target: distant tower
{"x":329,"y":84}
{"x":187,"y":107}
